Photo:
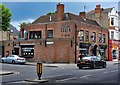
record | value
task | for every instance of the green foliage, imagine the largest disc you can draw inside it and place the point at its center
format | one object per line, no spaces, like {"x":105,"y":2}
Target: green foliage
{"x":5,"y":17}
{"x":23,"y":24}
{"x":49,"y":13}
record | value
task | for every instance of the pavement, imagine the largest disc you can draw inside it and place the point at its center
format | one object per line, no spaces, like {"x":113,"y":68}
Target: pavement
{"x":6,"y":72}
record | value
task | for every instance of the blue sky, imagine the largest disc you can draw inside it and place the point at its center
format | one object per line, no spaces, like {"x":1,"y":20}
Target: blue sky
{"x":29,"y":11}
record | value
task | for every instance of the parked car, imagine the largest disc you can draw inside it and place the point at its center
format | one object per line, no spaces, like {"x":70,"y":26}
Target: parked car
{"x":92,"y":62}
{"x":13,"y":59}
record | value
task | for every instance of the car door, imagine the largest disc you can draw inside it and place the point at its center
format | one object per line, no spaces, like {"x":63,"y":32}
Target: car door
{"x":94,"y":59}
{"x":10,"y":58}
{"x":98,"y":60}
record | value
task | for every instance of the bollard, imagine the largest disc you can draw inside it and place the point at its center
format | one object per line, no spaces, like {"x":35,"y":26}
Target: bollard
{"x":39,"y":70}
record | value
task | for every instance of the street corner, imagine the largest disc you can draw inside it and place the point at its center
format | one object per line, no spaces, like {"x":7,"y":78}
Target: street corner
{"x":6,"y":72}
{"x":37,"y":80}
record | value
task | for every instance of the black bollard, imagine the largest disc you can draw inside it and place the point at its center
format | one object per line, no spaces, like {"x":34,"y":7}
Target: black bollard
{"x":39,"y":70}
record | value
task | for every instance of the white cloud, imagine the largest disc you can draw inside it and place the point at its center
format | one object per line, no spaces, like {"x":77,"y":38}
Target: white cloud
{"x":17,"y":23}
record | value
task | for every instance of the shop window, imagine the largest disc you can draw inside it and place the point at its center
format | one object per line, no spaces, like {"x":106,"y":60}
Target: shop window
{"x":93,"y":36}
{"x":104,"y":38}
{"x":35,"y":34}
{"x":27,"y":51}
{"x":86,"y":36}
{"x":49,"y":33}
{"x":112,"y":21}
{"x":100,"y":38}
{"x":81,"y":33}
{"x":112,"y":34}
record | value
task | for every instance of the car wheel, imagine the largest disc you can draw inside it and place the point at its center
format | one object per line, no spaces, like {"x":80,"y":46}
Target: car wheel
{"x":2,"y":61}
{"x":80,"y":67}
{"x":93,"y":66}
{"x":13,"y":62}
{"x":104,"y":65}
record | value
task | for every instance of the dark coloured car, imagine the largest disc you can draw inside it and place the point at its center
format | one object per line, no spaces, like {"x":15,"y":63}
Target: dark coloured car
{"x":91,"y":61}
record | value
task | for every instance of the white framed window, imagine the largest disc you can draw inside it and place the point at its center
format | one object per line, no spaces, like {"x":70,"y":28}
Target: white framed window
{"x":112,"y":21}
{"x":112,"y":34}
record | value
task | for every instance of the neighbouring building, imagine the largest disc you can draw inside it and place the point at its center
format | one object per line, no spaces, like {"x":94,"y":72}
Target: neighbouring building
{"x":109,"y":19}
{"x":61,"y":37}
{"x":6,"y":37}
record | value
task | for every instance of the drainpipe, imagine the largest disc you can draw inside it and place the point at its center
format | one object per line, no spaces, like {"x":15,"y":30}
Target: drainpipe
{"x":45,"y":33}
{"x":75,"y":43}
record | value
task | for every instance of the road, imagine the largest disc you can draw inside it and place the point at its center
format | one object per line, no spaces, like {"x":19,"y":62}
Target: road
{"x":67,"y":73}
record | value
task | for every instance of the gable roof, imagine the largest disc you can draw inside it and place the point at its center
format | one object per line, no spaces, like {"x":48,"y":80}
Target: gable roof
{"x":13,"y":30}
{"x":67,"y":16}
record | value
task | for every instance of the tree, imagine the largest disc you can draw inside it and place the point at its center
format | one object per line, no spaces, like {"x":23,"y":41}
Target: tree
{"x":49,"y":13}
{"x":5,"y":17}
{"x":23,"y":24}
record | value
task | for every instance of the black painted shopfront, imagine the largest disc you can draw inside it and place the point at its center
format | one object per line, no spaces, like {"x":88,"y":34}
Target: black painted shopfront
{"x":102,"y":50}
{"x":27,"y":51}
{"x":84,"y":48}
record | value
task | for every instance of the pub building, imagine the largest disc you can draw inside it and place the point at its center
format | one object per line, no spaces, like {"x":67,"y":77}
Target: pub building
{"x":61,"y":37}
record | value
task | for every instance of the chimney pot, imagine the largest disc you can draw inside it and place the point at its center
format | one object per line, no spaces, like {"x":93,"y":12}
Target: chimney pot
{"x":98,"y":9}
{"x":98,"y":6}
{"x":82,"y":14}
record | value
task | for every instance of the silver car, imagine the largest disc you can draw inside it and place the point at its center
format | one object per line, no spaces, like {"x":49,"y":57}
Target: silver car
{"x":13,"y":59}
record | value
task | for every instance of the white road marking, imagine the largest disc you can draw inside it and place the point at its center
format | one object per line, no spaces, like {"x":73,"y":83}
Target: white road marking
{"x":66,"y":79}
{"x":110,"y":71}
{"x":86,"y":76}
{"x":16,"y":72}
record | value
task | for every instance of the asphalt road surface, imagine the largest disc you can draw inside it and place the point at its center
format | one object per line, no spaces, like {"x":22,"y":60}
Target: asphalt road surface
{"x":67,"y":73}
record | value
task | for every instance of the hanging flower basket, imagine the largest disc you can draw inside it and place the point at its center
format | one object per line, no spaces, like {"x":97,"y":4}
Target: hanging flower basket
{"x":104,"y":46}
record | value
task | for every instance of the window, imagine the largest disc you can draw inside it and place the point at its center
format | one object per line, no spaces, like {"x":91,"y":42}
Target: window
{"x":81,"y":33}
{"x":35,"y":34}
{"x":65,"y":28}
{"x":93,"y":36}
{"x":49,"y":33}
{"x":112,"y":21}
{"x":100,"y":37}
{"x":86,"y":36}
{"x":112,"y":34}
{"x":104,"y":38}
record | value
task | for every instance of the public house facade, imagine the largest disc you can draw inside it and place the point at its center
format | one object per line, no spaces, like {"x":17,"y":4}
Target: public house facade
{"x":61,"y":37}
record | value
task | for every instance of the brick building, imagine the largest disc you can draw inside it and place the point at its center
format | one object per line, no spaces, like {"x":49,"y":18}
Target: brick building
{"x":6,"y":38}
{"x":61,"y":37}
{"x":109,"y":18}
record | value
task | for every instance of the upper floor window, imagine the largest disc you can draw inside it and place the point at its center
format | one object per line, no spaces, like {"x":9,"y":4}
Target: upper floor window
{"x":104,"y":38}
{"x":35,"y":34}
{"x":100,"y":37}
{"x":112,"y":34}
{"x":112,"y":21}
{"x":81,"y":33}
{"x":65,"y":28}
{"x":93,"y":36}
{"x":86,"y":36}
{"x":49,"y":33}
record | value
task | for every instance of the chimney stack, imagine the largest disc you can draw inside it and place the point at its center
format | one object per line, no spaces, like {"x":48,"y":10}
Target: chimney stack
{"x":82,"y":14}
{"x":98,"y":9}
{"x":60,"y":12}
